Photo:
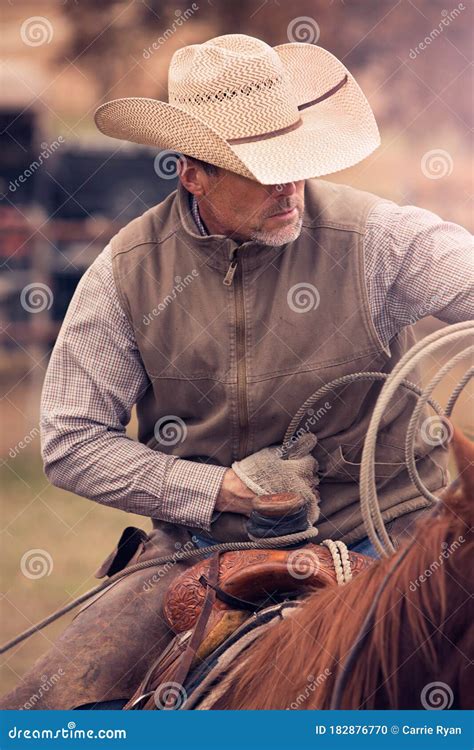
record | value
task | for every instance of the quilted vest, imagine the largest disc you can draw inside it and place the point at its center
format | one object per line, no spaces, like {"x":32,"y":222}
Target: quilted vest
{"x":229,"y":364}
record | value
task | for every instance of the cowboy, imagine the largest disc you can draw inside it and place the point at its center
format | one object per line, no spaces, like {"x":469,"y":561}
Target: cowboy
{"x":221,"y":310}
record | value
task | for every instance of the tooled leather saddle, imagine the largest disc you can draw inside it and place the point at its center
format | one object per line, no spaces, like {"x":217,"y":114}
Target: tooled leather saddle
{"x":209,"y":601}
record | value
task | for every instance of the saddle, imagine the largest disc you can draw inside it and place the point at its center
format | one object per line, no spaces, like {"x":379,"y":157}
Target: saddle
{"x":208,"y":602}
{"x":254,"y":577}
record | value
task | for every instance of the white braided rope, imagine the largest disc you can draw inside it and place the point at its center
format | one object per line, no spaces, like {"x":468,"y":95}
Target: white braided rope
{"x":341,"y":561}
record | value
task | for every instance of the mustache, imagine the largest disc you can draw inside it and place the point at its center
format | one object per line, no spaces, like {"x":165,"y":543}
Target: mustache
{"x":284,"y":204}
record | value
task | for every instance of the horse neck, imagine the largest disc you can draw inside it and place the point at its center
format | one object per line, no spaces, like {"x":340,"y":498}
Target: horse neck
{"x":422,"y":614}
{"x":399,"y":656}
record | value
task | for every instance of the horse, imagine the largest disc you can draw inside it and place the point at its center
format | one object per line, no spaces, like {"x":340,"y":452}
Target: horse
{"x":417,"y":651}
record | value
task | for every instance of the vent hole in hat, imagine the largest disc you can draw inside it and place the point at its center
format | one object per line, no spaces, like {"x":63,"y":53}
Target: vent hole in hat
{"x":246,"y":90}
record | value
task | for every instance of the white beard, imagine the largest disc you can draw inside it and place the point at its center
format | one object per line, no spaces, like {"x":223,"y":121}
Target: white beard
{"x":278,"y":236}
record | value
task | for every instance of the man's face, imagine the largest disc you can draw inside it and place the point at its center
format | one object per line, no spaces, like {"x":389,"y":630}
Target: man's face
{"x":235,"y":206}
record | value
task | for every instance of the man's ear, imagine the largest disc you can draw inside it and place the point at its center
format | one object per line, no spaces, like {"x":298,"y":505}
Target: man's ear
{"x":192,"y":177}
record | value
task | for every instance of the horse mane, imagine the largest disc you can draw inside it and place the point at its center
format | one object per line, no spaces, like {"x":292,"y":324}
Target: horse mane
{"x":295,"y":663}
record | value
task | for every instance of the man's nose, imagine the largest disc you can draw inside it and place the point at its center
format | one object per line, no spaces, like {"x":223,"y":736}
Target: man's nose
{"x":286,"y":188}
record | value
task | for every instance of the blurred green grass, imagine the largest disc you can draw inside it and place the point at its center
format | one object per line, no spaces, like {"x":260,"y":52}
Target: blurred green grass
{"x":76,"y":533}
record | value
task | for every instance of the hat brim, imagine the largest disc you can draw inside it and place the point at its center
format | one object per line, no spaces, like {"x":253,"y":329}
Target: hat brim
{"x":335,"y":133}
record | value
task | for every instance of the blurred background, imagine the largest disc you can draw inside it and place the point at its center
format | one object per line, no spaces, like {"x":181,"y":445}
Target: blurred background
{"x":66,"y":189}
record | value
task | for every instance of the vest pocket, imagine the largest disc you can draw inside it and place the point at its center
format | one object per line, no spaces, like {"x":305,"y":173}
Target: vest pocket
{"x":341,"y":467}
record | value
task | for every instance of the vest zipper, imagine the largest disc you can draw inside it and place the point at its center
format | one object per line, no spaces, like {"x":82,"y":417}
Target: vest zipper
{"x":235,"y":270}
{"x":229,"y":277}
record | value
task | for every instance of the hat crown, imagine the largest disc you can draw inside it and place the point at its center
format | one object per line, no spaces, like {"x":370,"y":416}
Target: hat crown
{"x":235,"y":83}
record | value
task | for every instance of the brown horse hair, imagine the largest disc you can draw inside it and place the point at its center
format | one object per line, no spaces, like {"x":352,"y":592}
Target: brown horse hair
{"x":309,"y":648}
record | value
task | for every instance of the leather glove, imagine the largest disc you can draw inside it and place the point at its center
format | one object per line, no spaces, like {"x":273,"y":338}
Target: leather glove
{"x":266,"y":472}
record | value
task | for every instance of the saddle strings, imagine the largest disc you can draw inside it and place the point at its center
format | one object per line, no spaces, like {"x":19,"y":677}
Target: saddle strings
{"x":340,"y":559}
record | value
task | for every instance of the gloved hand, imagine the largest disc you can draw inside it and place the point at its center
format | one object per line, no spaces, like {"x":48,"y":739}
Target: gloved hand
{"x":266,"y":472}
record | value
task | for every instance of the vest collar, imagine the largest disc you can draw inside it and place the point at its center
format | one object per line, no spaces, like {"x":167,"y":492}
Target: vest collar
{"x":216,"y":250}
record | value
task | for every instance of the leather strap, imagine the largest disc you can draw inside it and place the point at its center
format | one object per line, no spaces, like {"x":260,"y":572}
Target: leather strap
{"x":260,"y":525}
{"x":189,"y":653}
{"x":233,"y":601}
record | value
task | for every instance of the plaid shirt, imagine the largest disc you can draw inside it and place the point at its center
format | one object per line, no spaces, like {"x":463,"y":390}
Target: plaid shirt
{"x":416,"y":265}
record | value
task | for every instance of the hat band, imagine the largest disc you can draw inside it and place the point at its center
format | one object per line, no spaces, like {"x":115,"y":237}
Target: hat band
{"x":293,"y":126}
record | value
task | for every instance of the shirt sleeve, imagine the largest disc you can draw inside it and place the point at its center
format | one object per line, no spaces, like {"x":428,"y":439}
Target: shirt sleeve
{"x":417,"y":265}
{"x":95,"y":376}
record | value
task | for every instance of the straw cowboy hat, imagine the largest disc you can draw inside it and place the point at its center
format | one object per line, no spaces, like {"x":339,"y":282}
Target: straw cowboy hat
{"x":274,"y":115}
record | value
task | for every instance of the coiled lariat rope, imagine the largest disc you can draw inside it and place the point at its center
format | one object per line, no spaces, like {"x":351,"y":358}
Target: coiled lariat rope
{"x":371,"y":514}
{"x":373,"y":521}
{"x":291,"y":434}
